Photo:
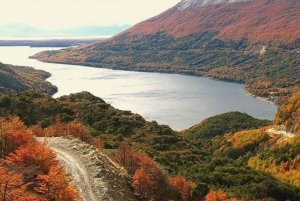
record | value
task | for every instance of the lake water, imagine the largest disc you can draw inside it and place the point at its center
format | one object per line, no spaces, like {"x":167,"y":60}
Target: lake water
{"x":175,"y":100}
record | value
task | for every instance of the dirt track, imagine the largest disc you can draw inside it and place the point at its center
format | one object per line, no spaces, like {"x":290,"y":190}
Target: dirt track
{"x":95,"y":175}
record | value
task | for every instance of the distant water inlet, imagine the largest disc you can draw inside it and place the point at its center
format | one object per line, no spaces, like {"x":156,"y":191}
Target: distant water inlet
{"x":175,"y":100}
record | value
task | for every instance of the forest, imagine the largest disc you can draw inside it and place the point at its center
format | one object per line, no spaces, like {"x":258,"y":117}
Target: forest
{"x":226,"y":157}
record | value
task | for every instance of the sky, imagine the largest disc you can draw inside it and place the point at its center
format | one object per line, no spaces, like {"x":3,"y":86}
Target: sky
{"x":56,"y":14}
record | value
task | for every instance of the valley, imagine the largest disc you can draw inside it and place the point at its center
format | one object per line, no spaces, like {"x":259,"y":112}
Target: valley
{"x":67,"y":142}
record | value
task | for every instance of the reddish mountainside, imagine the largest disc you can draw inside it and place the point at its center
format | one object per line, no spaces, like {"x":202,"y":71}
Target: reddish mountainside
{"x":258,"y":20}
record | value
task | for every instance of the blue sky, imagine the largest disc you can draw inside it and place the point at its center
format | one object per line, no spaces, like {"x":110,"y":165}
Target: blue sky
{"x":55,"y":14}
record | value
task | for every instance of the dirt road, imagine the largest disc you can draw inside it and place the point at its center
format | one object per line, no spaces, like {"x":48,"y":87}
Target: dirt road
{"x":95,"y":175}
{"x":278,"y":131}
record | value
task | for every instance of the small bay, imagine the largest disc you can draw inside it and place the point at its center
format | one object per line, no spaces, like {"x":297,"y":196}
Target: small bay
{"x":179,"y":101}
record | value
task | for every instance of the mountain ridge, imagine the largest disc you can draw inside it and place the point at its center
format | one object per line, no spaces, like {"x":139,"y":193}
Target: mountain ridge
{"x":234,"y":21}
{"x":184,"y":4}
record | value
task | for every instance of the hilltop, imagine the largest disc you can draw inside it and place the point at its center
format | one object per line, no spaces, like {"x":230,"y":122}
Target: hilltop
{"x":252,"y":42}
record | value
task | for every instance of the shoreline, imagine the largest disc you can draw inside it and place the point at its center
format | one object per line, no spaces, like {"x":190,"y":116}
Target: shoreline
{"x":164,"y":72}
{"x":259,"y":98}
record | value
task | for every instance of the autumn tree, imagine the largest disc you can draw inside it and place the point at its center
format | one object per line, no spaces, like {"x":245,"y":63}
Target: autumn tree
{"x":124,"y":156}
{"x":73,"y":128}
{"x":218,"y":195}
{"x":12,"y":187}
{"x":143,"y":184}
{"x":33,"y":154}
{"x":13,"y":133}
{"x":56,"y":129}
{"x":54,"y":186}
{"x":96,"y":142}
{"x":37,"y":130}
{"x":182,"y":188}
{"x":77,"y":130}
{"x":150,"y":181}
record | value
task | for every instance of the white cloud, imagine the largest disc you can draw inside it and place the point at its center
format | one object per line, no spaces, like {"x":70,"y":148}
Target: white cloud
{"x":66,"y":13}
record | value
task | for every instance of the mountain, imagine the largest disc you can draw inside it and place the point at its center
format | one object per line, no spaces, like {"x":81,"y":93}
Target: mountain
{"x":261,"y":21}
{"x":20,"y":78}
{"x":253,"y":42}
{"x":21,"y":30}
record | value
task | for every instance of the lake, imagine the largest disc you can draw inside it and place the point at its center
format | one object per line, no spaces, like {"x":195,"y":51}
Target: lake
{"x":176,"y":100}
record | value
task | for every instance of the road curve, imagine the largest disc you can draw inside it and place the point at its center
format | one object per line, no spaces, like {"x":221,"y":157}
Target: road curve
{"x":96,"y":176}
{"x":73,"y":165}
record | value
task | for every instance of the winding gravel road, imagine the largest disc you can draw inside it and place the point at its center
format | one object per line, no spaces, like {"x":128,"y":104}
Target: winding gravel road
{"x":95,"y":175}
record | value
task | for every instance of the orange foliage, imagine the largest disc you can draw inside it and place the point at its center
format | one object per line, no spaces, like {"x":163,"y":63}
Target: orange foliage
{"x":12,"y":187}
{"x":142,"y":184}
{"x":219,"y":195}
{"x":182,"y":187}
{"x":13,"y":133}
{"x":33,"y":154}
{"x":289,"y":114}
{"x":54,"y":186}
{"x":77,"y":130}
{"x":149,"y":180}
{"x":22,"y":150}
{"x":73,"y":128}
{"x":37,"y":131}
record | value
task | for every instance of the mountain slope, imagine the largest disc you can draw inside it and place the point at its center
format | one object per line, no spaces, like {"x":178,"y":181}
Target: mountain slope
{"x":16,"y":78}
{"x":255,"y":42}
{"x":266,"y":21}
{"x":214,"y":154}
{"x":288,"y":115}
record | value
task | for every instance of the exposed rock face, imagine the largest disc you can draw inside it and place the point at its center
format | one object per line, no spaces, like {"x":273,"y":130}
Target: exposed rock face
{"x":184,"y":4}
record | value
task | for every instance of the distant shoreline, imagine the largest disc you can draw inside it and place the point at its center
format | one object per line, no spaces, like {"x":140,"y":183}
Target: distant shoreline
{"x":51,"y":42}
{"x":39,"y":38}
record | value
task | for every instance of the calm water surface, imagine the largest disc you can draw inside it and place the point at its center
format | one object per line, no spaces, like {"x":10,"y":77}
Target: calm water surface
{"x":176,"y":100}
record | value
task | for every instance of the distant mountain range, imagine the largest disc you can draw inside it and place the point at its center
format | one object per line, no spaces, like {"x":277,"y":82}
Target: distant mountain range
{"x":253,"y":42}
{"x":20,"y":30}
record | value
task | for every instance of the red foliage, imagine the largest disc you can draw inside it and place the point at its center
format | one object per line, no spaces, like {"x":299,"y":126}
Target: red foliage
{"x":262,"y":21}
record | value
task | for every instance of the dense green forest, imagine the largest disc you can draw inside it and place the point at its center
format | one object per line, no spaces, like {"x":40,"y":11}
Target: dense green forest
{"x":270,"y":70}
{"x":229,"y":154}
{"x":20,"y":78}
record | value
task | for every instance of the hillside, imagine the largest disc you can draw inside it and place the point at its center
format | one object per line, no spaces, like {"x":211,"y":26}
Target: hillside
{"x":255,"y":42}
{"x":259,"y":21}
{"x":229,"y":154}
{"x":17,"y":79}
{"x":288,"y":115}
